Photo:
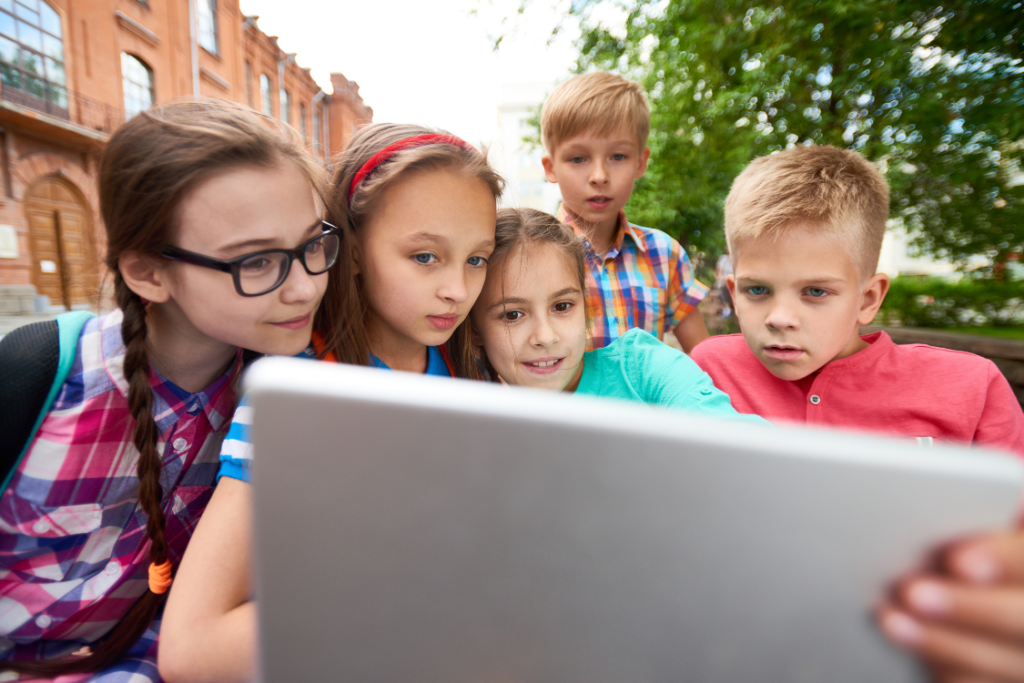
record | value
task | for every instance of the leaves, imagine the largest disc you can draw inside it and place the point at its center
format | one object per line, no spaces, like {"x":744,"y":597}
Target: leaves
{"x":932,"y":94}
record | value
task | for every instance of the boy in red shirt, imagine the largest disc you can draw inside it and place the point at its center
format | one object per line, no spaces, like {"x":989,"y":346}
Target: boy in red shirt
{"x":805,"y":229}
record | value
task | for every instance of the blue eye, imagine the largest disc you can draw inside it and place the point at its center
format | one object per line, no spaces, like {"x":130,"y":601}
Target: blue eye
{"x":816,"y":292}
{"x":618,"y":157}
{"x":476,"y":261}
{"x":425,"y":259}
{"x":576,"y":160}
{"x":757,"y":290}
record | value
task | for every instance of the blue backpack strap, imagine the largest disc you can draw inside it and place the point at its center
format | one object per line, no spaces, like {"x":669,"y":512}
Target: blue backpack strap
{"x":69,"y":328}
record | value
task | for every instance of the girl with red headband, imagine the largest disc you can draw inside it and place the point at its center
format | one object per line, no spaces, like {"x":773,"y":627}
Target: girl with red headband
{"x":214,"y":244}
{"x":418,"y":208}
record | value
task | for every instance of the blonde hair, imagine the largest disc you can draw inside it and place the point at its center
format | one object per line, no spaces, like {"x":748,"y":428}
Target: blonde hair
{"x":596,"y":101}
{"x":836,"y":191}
{"x":345,"y":302}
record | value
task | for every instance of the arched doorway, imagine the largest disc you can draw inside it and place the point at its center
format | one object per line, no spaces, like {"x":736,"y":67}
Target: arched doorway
{"x":63,"y":265}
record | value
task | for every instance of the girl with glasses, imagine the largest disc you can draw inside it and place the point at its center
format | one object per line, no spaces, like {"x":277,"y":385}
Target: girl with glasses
{"x":420,"y":207}
{"x":215,"y":245}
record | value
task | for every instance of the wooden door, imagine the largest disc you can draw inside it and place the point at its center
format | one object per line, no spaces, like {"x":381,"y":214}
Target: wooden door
{"x":62,"y":256}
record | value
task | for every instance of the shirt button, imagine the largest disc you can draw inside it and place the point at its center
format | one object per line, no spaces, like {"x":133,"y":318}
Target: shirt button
{"x":180,"y":444}
{"x":43,"y":621}
{"x":815,"y":399}
{"x":41,"y":527}
{"x":194,"y":408}
{"x":113,"y":568}
{"x":706,"y":392}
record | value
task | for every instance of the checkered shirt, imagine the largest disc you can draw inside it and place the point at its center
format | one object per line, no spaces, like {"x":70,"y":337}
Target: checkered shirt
{"x":645,"y":281}
{"x":74,"y":553}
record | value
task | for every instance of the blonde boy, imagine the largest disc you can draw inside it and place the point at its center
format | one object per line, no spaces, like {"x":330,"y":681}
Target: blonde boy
{"x":805,"y":228}
{"x":594,"y":129}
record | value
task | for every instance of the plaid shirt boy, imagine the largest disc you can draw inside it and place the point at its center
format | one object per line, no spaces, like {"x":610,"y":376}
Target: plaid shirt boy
{"x":645,"y":281}
{"x":73,"y":548}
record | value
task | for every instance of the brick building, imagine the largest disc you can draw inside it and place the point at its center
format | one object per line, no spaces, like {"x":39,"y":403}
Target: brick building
{"x":71,"y":71}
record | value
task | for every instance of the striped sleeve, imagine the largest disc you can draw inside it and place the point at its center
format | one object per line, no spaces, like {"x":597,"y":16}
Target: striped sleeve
{"x":236,"y":450}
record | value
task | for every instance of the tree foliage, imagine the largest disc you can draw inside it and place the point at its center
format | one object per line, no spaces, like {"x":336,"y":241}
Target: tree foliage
{"x":932,"y":94}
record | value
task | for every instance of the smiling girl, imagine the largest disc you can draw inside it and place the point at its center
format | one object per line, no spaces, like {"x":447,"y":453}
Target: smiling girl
{"x":214,"y":245}
{"x":421,"y":208}
{"x":531,"y":322}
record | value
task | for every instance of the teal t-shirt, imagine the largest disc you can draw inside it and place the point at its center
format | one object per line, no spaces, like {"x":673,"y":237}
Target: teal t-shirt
{"x":639,"y":367}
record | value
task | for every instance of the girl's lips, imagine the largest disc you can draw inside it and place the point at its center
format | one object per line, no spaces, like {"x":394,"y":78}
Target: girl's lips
{"x":599,"y":202}
{"x":443,"y":322}
{"x":782,"y":352}
{"x":295,"y":323}
{"x":543,"y":366}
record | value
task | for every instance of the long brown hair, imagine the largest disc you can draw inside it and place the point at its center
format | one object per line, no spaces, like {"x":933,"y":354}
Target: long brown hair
{"x":345,"y":302}
{"x":148,"y":167}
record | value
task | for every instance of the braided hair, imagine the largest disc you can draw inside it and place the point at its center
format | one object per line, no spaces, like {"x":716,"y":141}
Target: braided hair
{"x":148,"y":168}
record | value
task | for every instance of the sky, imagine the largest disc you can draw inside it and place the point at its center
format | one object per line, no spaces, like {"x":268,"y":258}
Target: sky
{"x":429,"y":62}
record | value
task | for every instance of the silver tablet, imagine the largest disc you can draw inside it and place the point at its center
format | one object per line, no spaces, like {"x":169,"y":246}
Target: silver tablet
{"x":417,"y":529}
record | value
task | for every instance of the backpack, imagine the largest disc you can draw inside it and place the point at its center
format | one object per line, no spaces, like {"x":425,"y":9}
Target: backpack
{"x":34,"y":363}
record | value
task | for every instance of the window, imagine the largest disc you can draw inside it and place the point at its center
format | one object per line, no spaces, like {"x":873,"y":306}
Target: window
{"x":32,"y":55}
{"x":286,"y":107}
{"x":137,"y":80}
{"x":316,"y":130}
{"x":248,"y":84}
{"x":268,"y":107}
{"x":302,"y":122}
{"x":207,"y":20}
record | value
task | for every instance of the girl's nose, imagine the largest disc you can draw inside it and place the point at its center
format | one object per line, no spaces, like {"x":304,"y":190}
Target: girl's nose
{"x":543,"y":334}
{"x":454,"y":288}
{"x":299,"y":286}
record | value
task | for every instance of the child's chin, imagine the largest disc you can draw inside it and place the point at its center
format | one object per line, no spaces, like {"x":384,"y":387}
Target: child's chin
{"x":787,"y":371}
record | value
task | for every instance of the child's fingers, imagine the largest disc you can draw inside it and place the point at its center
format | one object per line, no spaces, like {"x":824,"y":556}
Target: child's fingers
{"x":978,"y":657}
{"x":988,"y":559}
{"x":997,"y":610}
{"x":955,"y":677}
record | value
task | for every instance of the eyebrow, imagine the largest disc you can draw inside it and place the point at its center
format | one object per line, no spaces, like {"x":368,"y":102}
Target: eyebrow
{"x":268,"y":242}
{"x":824,"y":280}
{"x":510,"y":300}
{"x":429,"y":237}
{"x":519,"y":301}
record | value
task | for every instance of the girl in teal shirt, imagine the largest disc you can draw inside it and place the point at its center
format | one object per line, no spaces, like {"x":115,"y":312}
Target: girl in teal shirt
{"x":530,"y":321}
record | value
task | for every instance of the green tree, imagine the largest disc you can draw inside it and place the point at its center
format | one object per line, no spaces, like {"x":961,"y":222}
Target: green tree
{"x":933,"y":94}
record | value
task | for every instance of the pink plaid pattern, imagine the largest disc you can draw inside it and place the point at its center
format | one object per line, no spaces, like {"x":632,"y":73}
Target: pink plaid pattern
{"x":73,"y":547}
{"x":645,"y":281}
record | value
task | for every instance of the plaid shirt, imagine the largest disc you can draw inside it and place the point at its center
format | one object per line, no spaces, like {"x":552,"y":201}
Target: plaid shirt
{"x":646,"y":282}
{"x":73,"y":547}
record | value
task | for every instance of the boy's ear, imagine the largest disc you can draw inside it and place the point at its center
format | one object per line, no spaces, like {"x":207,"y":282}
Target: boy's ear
{"x":144,"y":276}
{"x":730,"y":282}
{"x":642,"y":168}
{"x":871,"y":298}
{"x":549,"y":168}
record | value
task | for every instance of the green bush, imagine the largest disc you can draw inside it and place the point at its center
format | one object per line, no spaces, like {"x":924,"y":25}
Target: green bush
{"x":937,"y":302}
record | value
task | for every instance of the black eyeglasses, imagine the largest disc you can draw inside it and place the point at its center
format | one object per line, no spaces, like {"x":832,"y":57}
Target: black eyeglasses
{"x":262,"y":272}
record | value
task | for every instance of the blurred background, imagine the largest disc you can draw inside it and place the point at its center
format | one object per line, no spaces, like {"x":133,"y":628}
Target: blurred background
{"x":931,"y":93}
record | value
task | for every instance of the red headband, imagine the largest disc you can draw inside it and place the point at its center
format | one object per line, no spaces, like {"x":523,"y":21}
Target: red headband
{"x":408,"y":143}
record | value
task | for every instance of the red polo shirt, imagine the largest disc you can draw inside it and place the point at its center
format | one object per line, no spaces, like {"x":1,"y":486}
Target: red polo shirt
{"x":908,"y":390}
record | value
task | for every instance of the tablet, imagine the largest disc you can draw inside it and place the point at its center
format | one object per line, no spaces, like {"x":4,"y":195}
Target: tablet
{"x":428,"y":530}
